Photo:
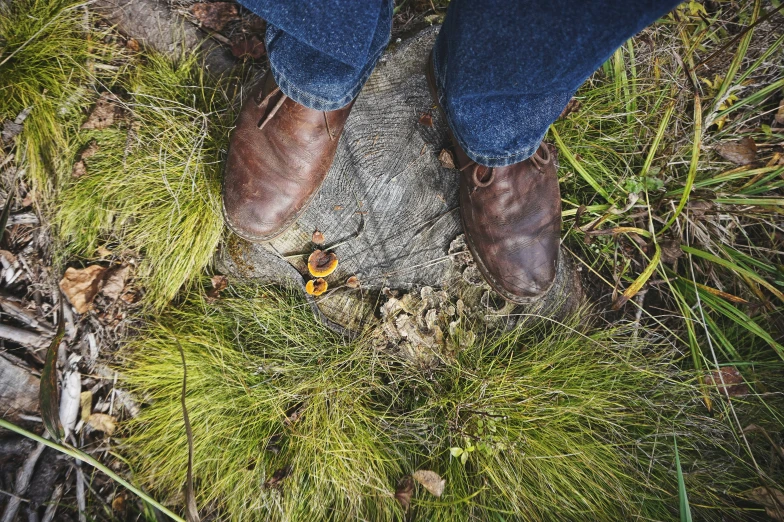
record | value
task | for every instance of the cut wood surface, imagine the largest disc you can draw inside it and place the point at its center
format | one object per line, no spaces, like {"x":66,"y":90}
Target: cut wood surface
{"x":388,"y":206}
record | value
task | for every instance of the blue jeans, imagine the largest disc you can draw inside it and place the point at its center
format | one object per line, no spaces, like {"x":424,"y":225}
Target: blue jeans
{"x":504,"y":70}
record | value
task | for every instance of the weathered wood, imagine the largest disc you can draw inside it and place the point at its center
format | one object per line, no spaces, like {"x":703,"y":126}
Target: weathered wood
{"x":18,"y":391}
{"x":389,"y":208}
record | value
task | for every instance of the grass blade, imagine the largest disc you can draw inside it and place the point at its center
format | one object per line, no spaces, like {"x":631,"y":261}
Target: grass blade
{"x":578,"y":167}
{"x":682,"y":496}
{"x":75,"y":453}
{"x":695,"y":157}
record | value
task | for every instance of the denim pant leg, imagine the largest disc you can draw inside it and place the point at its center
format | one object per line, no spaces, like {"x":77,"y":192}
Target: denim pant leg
{"x":310,"y":67}
{"x":506,"y":70}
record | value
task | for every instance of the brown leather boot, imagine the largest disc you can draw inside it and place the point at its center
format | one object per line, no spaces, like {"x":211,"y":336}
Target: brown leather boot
{"x":279,"y":154}
{"x":512,"y":219}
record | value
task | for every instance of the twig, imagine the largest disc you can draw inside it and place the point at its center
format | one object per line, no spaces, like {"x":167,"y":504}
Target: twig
{"x":81,"y":500}
{"x":54,"y":501}
{"x":24,"y":316}
{"x":23,"y":477}
{"x":191,"y":510}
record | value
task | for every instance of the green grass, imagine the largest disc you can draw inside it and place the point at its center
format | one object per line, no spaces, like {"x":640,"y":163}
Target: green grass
{"x":559,"y":423}
{"x":646,"y":131}
{"x":48,"y":53}
{"x":153,"y":186}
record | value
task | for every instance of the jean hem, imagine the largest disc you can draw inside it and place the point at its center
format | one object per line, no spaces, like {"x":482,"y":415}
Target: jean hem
{"x":486,"y":160}
{"x":311,"y":101}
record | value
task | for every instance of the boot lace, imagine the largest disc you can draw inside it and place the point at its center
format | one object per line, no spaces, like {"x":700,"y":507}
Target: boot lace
{"x":279,"y":99}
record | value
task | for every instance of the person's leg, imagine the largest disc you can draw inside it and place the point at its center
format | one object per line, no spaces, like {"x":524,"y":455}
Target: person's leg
{"x":506,"y":70}
{"x":503,"y":72}
{"x":321,"y":54}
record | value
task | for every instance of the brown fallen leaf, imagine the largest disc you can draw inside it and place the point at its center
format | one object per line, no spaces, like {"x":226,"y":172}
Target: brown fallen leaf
{"x":102,"y":422}
{"x":733,"y":383}
{"x":103,"y":113}
{"x":670,"y":251}
{"x":740,"y":152}
{"x":133,"y":45}
{"x":114,"y":281}
{"x":431,"y":481}
{"x":573,"y":106}
{"x":446,"y":159}
{"x":779,"y":116}
{"x":79,"y":169}
{"x":277,"y":477}
{"x":426,"y":119}
{"x":219,"y":283}
{"x":248,"y":47}
{"x":772,"y":499}
{"x":118,"y":503}
{"x":215,"y":15}
{"x":352,"y":282}
{"x":404,"y":491}
{"x":81,"y":286}
{"x":90,"y":150}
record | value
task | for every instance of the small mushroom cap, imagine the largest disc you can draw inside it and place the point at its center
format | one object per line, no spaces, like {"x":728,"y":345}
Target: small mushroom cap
{"x":352,"y":282}
{"x":321,"y":264}
{"x":316,"y":286}
{"x":318,"y":237}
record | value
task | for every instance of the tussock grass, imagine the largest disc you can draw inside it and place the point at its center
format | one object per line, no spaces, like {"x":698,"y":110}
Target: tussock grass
{"x":557,"y":423}
{"x":48,"y":50}
{"x":153,"y":186}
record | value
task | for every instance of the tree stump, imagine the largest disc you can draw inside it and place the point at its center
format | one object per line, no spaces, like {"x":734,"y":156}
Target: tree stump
{"x":389,"y":210}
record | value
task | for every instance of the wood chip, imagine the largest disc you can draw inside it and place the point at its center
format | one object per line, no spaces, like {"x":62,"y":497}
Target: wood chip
{"x":446,"y":159}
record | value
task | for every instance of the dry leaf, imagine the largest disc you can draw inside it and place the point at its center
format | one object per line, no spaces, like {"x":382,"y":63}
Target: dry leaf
{"x":118,"y":503}
{"x":219,"y":283}
{"x":734,"y":384}
{"x":318,"y":237}
{"x":426,"y":119}
{"x":81,"y":286}
{"x":779,"y":117}
{"x":79,"y":169}
{"x":86,"y":404}
{"x":431,"y":481}
{"x":90,"y":150}
{"x":133,"y":45}
{"x":103,"y":113}
{"x":670,"y":251}
{"x":115,"y":281}
{"x":740,"y":152}
{"x":103,"y":422}
{"x":352,"y":282}
{"x":248,"y":47}
{"x":404,"y":491}
{"x":277,"y":477}
{"x":446,"y":159}
{"x":321,"y":263}
{"x":103,"y":252}
{"x":772,"y":499}
{"x":573,"y":106}
{"x":215,"y":15}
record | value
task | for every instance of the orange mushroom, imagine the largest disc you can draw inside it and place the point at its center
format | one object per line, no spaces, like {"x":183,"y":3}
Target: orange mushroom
{"x":316,"y":286}
{"x":321,"y":264}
